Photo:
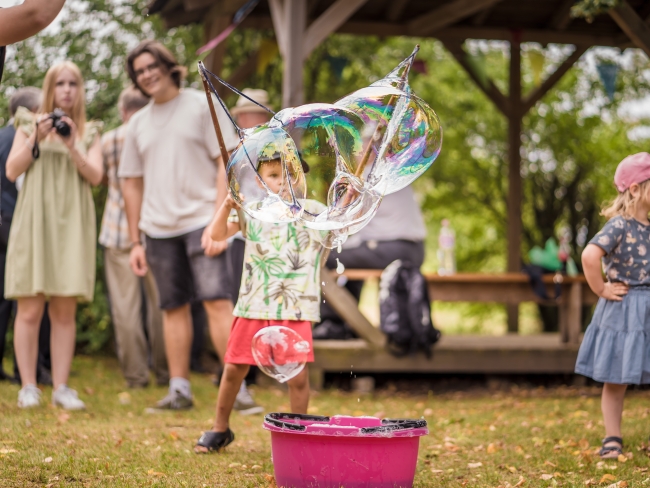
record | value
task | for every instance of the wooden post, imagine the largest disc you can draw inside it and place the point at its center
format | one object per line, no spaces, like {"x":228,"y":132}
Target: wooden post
{"x":295,"y":18}
{"x":514,"y":168}
{"x":574,"y":316}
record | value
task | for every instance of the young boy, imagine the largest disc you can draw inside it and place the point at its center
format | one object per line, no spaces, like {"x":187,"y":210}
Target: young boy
{"x":280,"y":286}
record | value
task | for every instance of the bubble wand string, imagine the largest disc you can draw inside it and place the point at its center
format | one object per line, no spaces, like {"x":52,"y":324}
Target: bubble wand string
{"x":222,"y":145}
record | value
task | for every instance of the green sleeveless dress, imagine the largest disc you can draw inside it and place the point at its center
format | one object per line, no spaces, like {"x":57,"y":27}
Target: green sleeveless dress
{"x":52,"y":240}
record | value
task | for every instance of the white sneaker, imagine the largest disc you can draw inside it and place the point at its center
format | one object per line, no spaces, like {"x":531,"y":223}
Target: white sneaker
{"x":29,"y":396}
{"x":67,"y":399}
{"x":244,"y":403}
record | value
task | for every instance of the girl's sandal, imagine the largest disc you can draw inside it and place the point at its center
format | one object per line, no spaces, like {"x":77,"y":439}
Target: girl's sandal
{"x":609,"y":451}
{"x":212,"y":441}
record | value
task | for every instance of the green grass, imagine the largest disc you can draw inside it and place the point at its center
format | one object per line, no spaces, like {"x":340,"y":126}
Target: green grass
{"x":519,"y":434}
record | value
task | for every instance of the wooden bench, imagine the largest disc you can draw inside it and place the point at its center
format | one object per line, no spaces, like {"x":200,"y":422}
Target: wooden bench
{"x":512,"y":353}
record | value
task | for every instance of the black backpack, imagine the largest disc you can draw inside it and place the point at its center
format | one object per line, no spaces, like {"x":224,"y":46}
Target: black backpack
{"x":405,"y":310}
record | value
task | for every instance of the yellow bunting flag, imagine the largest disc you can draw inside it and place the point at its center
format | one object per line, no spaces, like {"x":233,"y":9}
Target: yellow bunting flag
{"x":267,"y":53}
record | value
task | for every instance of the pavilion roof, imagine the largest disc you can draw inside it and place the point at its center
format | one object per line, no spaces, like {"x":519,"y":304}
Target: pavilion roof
{"x":543,"y":21}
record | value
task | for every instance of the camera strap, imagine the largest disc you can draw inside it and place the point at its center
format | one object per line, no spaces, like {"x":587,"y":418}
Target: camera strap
{"x":36,"y":151}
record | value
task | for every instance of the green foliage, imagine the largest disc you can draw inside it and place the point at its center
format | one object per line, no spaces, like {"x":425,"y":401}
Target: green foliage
{"x":591,"y":8}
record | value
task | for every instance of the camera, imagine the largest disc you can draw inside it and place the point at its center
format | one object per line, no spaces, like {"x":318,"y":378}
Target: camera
{"x":62,"y":128}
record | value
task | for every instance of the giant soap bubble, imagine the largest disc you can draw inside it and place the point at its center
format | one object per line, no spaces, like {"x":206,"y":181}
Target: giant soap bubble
{"x":370,"y":143}
{"x":280,"y":352}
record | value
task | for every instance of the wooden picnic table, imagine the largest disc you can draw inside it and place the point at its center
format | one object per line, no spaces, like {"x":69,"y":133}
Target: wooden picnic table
{"x":507,"y":288}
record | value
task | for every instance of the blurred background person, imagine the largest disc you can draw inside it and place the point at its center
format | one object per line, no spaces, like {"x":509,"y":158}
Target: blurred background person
{"x":397,"y":231}
{"x":126,"y":290}
{"x":52,"y":241}
{"x":30,"y":98}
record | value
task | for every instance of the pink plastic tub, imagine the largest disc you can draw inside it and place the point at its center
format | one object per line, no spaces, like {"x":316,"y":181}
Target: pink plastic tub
{"x":353,"y":452}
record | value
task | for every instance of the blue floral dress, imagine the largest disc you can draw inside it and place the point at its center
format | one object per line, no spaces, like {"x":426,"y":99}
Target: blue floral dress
{"x":616,"y":346}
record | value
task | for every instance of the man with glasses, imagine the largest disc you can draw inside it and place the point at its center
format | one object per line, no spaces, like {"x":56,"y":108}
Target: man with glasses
{"x":174,"y":180}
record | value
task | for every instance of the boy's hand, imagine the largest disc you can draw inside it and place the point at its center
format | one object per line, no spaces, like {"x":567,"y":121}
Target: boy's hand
{"x":230,"y":202}
{"x":212,"y":248}
{"x":614,"y":291}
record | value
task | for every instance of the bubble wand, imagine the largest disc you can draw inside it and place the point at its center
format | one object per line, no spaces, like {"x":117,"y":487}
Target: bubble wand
{"x":222,"y":145}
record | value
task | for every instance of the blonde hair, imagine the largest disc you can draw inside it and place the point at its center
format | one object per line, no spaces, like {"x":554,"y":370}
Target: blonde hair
{"x":625,"y":203}
{"x":78,"y":114}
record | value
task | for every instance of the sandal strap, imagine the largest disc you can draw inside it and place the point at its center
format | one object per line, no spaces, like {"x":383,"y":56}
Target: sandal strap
{"x":607,"y":449}
{"x":215,"y":440}
{"x":613,"y":438}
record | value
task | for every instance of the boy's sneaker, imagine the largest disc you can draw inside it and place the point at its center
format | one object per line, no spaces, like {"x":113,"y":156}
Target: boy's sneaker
{"x":244,"y":403}
{"x":29,"y":396}
{"x":175,"y":400}
{"x":67,"y":399}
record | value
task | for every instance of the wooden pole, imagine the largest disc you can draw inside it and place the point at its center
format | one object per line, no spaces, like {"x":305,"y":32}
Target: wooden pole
{"x":514,"y":168}
{"x":295,"y":14}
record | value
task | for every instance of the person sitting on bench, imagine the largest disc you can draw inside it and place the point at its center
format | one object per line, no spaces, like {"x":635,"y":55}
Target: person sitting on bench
{"x":397,"y":231}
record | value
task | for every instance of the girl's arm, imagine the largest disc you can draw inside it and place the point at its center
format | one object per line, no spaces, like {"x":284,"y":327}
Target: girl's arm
{"x":20,"y":157}
{"x":591,"y":265}
{"x":220,"y":228}
{"x":89,"y":166}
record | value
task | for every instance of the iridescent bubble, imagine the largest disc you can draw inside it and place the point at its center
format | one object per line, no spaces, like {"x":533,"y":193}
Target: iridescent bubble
{"x":268,"y":201}
{"x":280,"y":352}
{"x":403,"y":135}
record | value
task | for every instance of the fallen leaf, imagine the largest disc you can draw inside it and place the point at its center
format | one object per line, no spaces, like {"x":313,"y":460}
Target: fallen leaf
{"x":428,"y":412}
{"x":622,"y":484}
{"x":549,"y":463}
{"x":474,"y":465}
{"x":255,"y":467}
{"x":151,"y":472}
{"x":89,"y":391}
{"x":512,"y":469}
{"x":622,"y":458}
{"x":437,"y":471}
{"x":63,"y":417}
{"x":521,"y":482}
{"x":234,"y":465}
{"x":607,"y":477}
{"x":173,"y":435}
{"x":546,"y":477}
{"x":584,"y":444}
{"x":519,"y":449}
{"x":124,"y":397}
{"x":47,"y":459}
{"x":492,"y":448}
{"x":7,"y":451}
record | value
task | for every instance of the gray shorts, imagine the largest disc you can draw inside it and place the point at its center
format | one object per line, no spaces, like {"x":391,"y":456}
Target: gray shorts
{"x":184,"y":273}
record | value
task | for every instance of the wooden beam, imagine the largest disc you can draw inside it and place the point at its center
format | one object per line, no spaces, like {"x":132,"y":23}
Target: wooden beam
{"x":514,"y":172}
{"x":461,"y":33}
{"x":539,"y":92}
{"x":633,"y":25}
{"x":197,"y":4}
{"x":278,"y":18}
{"x":213,"y":27}
{"x":491,"y":90}
{"x":446,"y":15}
{"x":295,"y":18}
{"x":342,"y":301}
{"x":329,"y":21}
{"x":562,"y":16}
{"x":481,"y":17}
{"x":395,"y":10}
{"x":244,"y":70}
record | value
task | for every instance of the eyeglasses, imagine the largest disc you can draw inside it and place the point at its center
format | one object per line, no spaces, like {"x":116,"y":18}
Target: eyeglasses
{"x":151,"y":67}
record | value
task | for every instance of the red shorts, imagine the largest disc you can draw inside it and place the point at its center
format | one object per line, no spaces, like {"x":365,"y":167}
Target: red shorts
{"x":243,"y":330}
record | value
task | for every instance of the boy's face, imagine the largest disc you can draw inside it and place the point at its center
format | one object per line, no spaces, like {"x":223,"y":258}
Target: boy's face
{"x":271,"y":174}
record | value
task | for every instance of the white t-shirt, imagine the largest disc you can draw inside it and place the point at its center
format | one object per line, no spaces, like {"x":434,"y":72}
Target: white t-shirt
{"x":173,"y":147}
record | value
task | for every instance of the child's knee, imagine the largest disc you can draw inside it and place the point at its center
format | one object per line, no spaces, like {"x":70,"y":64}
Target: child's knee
{"x":235,"y":371}
{"x":300,"y":381}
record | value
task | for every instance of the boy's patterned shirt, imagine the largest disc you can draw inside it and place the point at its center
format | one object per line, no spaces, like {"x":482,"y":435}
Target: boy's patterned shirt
{"x":281,"y":275}
{"x":626,"y":243}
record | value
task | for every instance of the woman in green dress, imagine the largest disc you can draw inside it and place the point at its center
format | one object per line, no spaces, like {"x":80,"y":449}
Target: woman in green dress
{"x":51,"y":250}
